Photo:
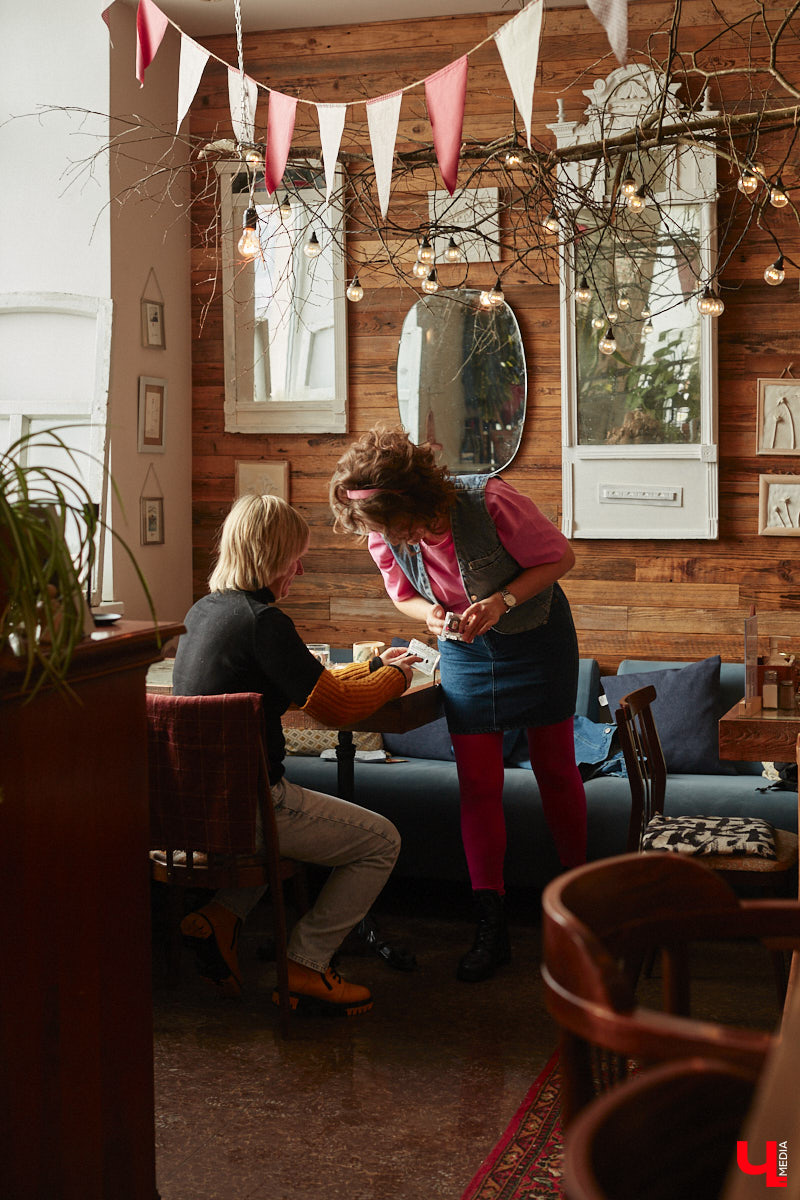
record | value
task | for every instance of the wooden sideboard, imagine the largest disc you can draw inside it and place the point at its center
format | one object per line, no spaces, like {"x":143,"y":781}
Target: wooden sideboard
{"x":76,"y":1035}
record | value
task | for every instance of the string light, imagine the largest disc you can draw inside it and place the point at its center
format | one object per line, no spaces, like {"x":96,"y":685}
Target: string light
{"x":637,"y":201}
{"x":777,"y":194}
{"x":583,"y":293}
{"x":613,"y":317}
{"x":355,"y":291}
{"x":430,"y":284}
{"x":624,"y":303}
{"x":749,"y":179}
{"x":597,"y":323}
{"x":607,"y":344}
{"x":496,"y":297}
{"x":628,"y":186}
{"x":709,"y":304}
{"x":249,"y":243}
{"x":513,"y":159}
{"x":775,"y":274}
{"x":647,"y":328}
{"x":645,"y":312}
{"x":425,"y":253}
{"x":419,"y":270}
{"x":486,"y":300}
{"x":551,"y":222}
{"x":312,"y":248}
{"x":453,"y":251}
{"x":285,"y":207}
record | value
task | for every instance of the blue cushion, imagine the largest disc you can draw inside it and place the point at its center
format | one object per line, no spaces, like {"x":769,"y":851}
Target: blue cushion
{"x":687,"y":709}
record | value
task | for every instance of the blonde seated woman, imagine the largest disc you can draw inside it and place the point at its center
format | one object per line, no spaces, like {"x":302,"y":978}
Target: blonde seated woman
{"x":238,"y":640}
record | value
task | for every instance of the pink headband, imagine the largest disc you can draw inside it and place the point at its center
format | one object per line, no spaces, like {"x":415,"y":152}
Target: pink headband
{"x":364,"y":493}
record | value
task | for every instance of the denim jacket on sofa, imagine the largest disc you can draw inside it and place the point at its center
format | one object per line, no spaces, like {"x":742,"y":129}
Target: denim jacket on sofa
{"x":484,"y":563}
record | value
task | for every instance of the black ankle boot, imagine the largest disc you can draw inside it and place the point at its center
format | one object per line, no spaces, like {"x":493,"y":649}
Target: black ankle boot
{"x":491,"y":947}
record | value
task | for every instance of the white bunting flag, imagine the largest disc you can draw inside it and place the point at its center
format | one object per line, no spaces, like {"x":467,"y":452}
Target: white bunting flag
{"x":383,"y":116}
{"x":613,"y":16}
{"x":331,"y":124}
{"x":193,"y":61}
{"x":518,"y":45}
{"x":243,"y":122}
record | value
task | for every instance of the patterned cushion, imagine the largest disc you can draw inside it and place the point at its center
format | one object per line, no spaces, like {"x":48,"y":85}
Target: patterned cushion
{"x":711,"y":835}
{"x":314,"y":741}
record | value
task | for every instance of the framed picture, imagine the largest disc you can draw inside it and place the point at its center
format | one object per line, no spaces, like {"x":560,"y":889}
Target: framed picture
{"x":153,"y":336}
{"x":152,"y":414}
{"x":262,"y":479}
{"x":778,"y":416}
{"x":779,"y":505}
{"x":151,"y":517}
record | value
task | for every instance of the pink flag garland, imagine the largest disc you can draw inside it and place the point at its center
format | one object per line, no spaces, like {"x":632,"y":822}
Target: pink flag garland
{"x":445,"y":95}
{"x":280,"y":127}
{"x":613,"y":16}
{"x":151,"y":25}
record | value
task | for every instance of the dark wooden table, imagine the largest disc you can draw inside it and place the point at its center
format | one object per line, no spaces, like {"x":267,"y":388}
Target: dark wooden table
{"x":417,"y":706}
{"x":753,"y":734}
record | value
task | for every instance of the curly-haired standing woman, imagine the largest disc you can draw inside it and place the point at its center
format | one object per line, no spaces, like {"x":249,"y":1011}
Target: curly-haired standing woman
{"x":474,"y":546}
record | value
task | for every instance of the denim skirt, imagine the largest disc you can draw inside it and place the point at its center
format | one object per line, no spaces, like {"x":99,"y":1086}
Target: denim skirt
{"x":512,"y":680}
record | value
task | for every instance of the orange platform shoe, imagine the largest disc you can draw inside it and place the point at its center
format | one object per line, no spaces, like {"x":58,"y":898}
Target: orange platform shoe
{"x":325,"y":992}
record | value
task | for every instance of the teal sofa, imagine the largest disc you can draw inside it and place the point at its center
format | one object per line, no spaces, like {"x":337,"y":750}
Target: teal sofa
{"x":420,"y":795}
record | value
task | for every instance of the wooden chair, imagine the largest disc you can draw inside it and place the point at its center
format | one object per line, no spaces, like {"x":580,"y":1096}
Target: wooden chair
{"x":599,"y":921}
{"x":647,"y":776}
{"x":668,"y":1132}
{"x":208,"y":780}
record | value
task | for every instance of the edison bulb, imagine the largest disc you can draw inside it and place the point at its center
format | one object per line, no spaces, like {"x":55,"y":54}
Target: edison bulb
{"x":624,"y":303}
{"x":496,"y":297}
{"x":637,"y":201}
{"x":775,"y":274}
{"x":355,"y":291}
{"x":249,"y":244}
{"x":607,"y":344}
{"x":597,"y":323}
{"x":628,"y":186}
{"x":453,"y":252}
{"x":613,"y":317}
{"x":419,"y":270}
{"x":425,"y":253}
{"x":513,"y":159}
{"x":647,"y":328}
{"x":285,"y":208}
{"x":749,"y":180}
{"x":551,"y":222}
{"x":645,"y":313}
{"x":710,"y":304}
{"x":430,"y":284}
{"x":583,"y":293}
{"x":777,"y":194}
{"x":312,"y":248}
{"x":486,"y":300}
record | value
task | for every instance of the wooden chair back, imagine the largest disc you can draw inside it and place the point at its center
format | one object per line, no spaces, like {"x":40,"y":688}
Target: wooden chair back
{"x":670,"y":1131}
{"x":209,"y":791}
{"x":644,"y":760}
{"x":599,"y":923}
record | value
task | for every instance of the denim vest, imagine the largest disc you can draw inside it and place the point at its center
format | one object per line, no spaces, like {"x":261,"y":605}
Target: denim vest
{"x":484,"y":563}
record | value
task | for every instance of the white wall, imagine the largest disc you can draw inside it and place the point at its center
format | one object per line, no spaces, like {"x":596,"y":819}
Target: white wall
{"x":56,"y":55}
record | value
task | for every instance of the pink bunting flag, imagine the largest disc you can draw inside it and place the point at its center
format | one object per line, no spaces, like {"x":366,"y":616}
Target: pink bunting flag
{"x":280,"y":127}
{"x":151,"y":25}
{"x":613,"y":16}
{"x":445,"y":95}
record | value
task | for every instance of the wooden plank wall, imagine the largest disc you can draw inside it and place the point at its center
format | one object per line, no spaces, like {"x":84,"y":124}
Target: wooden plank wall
{"x":654,"y":599}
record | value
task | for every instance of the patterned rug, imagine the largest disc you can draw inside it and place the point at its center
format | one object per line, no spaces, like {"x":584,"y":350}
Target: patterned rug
{"x":526,"y":1162}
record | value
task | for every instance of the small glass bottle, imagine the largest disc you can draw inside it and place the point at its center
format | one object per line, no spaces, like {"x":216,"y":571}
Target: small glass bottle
{"x":786,"y":695}
{"x":769,"y":690}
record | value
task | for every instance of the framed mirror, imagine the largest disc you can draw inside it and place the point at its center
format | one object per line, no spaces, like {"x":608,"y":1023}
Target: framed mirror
{"x":461,"y":380}
{"x":284,"y":319}
{"x":638,"y":357}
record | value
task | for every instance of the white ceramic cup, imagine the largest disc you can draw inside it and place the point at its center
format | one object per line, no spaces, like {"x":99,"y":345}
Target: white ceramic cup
{"x":364,"y":651}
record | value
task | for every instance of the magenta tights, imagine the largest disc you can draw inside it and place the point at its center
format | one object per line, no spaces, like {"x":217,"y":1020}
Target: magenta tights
{"x":479,"y":760}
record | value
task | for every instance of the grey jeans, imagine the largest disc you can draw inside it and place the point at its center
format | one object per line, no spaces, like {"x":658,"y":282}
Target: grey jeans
{"x":361,"y":847}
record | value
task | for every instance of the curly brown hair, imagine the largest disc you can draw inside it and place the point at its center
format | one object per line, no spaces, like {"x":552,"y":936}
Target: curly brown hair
{"x":414,"y":491}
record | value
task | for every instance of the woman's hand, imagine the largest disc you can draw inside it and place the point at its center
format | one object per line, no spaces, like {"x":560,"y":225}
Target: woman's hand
{"x":435,"y":620}
{"x":480,"y":617}
{"x":398,"y":656}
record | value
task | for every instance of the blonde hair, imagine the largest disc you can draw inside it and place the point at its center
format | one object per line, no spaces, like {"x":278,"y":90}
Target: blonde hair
{"x":260,"y":537}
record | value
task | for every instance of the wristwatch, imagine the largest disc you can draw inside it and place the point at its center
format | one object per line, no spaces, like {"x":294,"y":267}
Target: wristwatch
{"x":509,"y":599}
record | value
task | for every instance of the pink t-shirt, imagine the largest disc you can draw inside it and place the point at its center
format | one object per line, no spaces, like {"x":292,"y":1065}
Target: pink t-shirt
{"x":523,"y":530}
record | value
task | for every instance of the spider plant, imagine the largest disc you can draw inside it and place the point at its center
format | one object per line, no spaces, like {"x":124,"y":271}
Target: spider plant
{"x":48,"y":533}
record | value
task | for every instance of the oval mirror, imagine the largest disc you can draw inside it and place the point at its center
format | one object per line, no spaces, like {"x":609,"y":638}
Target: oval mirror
{"x":461,"y":380}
